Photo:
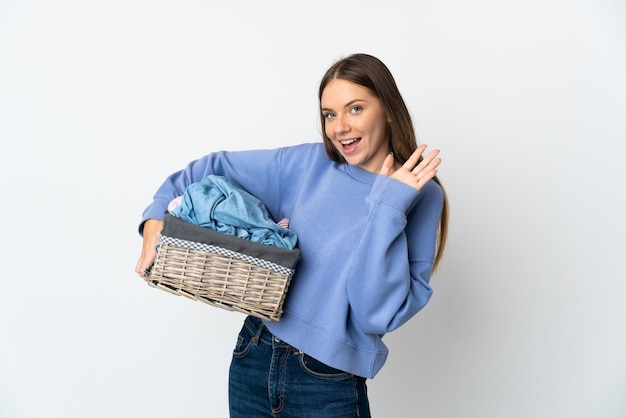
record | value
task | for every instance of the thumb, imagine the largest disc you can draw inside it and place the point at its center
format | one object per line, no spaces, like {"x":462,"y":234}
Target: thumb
{"x":385,"y":170}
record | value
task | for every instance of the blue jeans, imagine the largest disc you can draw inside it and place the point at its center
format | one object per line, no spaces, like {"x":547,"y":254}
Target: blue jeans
{"x":270,"y":378}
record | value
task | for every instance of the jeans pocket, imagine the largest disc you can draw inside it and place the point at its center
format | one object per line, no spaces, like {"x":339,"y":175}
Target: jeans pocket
{"x":320,"y":370}
{"x":246,"y":338}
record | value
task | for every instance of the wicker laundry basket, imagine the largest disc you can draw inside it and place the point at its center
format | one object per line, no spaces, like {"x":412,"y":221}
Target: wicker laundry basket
{"x":222,"y":270}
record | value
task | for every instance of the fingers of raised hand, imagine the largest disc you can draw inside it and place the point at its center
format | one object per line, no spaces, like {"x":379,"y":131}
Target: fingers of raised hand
{"x":429,"y":162}
{"x":414,"y":159}
{"x":428,"y":173}
{"x":426,"y":169}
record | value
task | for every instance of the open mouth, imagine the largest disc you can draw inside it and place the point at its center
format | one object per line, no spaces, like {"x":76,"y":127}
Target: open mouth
{"x":350,"y":144}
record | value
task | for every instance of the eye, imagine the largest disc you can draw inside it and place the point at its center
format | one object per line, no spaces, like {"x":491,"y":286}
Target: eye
{"x":356,"y":109}
{"x":329,"y":115}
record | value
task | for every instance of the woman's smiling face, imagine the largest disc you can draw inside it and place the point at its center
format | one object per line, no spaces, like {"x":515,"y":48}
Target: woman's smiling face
{"x":356,"y":124}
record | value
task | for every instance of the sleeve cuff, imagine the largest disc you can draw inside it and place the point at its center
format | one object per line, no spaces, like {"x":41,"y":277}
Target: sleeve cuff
{"x":392,"y":193}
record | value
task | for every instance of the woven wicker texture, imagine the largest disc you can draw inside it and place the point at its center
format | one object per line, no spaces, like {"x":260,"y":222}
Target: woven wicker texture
{"x":222,"y":281}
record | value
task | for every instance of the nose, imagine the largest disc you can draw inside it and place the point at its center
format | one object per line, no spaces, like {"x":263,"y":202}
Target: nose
{"x":341,"y":124}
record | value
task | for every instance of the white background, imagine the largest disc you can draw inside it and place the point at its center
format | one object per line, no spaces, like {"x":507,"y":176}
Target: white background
{"x":100,"y":100}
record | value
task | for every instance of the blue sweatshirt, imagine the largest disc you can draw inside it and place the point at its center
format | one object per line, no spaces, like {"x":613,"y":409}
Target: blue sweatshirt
{"x":367,"y":242}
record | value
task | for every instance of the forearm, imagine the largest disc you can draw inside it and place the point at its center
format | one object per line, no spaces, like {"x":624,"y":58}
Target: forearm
{"x":392,"y":263}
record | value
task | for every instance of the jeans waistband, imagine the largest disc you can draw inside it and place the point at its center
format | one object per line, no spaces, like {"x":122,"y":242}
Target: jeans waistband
{"x":263,"y":335}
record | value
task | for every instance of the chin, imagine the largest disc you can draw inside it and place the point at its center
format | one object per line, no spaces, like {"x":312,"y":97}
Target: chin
{"x":352,"y":160}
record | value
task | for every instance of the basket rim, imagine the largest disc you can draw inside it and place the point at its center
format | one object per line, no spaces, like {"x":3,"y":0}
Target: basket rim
{"x":175,"y":227}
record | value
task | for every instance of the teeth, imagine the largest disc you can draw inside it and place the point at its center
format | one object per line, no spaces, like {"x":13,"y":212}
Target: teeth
{"x":348,"y":141}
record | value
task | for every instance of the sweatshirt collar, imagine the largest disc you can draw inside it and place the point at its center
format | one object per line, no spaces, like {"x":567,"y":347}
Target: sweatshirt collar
{"x":359,"y":173}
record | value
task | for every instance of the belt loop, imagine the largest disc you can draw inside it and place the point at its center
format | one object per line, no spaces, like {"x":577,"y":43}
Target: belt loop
{"x":259,"y":331}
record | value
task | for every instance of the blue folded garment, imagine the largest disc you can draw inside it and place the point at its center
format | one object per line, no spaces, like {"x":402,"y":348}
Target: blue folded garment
{"x":215,"y":203}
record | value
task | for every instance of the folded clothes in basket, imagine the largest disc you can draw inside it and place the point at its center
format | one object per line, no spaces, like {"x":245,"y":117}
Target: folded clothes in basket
{"x":215,"y":203}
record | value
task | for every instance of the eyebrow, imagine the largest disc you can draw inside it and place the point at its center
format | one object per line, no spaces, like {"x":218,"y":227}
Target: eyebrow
{"x":350,"y":103}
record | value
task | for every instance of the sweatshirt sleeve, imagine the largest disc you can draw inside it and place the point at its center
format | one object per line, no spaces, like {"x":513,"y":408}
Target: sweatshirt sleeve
{"x":395,"y":254}
{"x":254,"y":171}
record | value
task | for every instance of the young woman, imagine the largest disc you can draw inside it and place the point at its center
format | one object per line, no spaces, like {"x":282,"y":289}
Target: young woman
{"x":371,"y":220}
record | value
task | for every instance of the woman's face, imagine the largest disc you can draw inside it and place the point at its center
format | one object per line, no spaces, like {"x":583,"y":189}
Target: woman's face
{"x":356,"y":124}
